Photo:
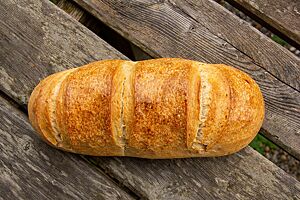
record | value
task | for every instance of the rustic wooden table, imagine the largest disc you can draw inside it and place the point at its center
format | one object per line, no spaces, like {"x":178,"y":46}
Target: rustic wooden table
{"x":37,"y":38}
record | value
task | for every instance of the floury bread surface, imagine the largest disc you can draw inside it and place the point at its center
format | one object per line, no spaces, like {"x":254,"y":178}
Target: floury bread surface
{"x":160,"y":108}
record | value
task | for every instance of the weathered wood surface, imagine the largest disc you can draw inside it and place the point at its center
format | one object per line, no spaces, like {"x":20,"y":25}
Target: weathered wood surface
{"x":145,"y":177}
{"x":37,"y":39}
{"x":69,"y":7}
{"x":196,"y":29}
{"x":29,"y":169}
{"x":282,"y":15}
{"x":205,"y":31}
{"x":101,"y":30}
{"x":246,"y":175}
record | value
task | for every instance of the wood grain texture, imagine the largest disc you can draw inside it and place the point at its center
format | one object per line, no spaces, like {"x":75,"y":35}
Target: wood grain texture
{"x":244,"y":175}
{"x":101,"y":30}
{"x":37,"y":37}
{"x":282,"y":15}
{"x":29,"y":169}
{"x":73,"y":10}
{"x":205,"y":31}
{"x":196,"y":23}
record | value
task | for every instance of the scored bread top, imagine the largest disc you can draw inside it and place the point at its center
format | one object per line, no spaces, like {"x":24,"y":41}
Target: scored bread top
{"x":85,"y":123}
{"x":160,"y":108}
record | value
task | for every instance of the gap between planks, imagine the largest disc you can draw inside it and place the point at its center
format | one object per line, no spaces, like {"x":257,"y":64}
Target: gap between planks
{"x":126,"y":47}
{"x":280,"y":16}
{"x":198,"y":15}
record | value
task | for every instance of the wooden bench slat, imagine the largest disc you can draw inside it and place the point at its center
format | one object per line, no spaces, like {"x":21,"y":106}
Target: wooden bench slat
{"x":168,"y":30}
{"x":230,"y":37}
{"x":29,"y":169}
{"x":72,"y":9}
{"x":32,"y":169}
{"x":245,"y":174}
{"x":282,"y":15}
{"x":39,"y":41}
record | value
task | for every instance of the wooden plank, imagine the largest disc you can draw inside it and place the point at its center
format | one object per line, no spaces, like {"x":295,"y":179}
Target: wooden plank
{"x":281,"y":15}
{"x":69,"y":7}
{"x":203,"y":31}
{"x":93,"y":24}
{"x":196,"y":24}
{"x":29,"y":169}
{"x":268,"y":181}
{"x":246,"y":175}
{"x":43,"y":40}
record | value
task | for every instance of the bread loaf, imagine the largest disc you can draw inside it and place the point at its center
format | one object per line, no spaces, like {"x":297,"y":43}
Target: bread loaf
{"x":160,"y":108}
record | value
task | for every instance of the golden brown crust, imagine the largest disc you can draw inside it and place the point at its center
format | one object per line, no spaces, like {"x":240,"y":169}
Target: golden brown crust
{"x":42,"y":106}
{"x":39,"y":107}
{"x":117,"y":92}
{"x":122,"y":103}
{"x":214,"y":107}
{"x":193,"y":105}
{"x":246,"y":112}
{"x":87,"y":109}
{"x":161,"y":108}
{"x":127,"y":99}
{"x":60,"y":112}
{"x":33,"y":112}
{"x":52,"y":109}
